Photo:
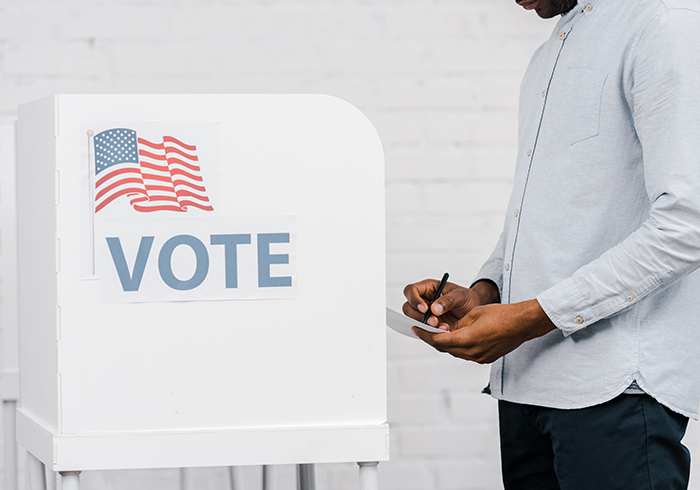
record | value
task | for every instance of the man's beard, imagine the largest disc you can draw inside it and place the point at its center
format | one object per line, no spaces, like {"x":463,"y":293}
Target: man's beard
{"x":556,"y":7}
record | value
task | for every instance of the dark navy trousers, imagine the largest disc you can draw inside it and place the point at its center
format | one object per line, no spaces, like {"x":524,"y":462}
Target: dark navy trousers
{"x":631,"y":442}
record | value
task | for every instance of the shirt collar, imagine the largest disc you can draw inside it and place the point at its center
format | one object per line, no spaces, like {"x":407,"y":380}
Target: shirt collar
{"x":582,"y":7}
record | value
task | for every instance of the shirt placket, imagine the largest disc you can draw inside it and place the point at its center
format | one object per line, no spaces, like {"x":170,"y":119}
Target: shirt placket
{"x":528,"y":150}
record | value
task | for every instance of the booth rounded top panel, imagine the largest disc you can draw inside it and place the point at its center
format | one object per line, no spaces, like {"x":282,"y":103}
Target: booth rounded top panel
{"x":200,"y":262}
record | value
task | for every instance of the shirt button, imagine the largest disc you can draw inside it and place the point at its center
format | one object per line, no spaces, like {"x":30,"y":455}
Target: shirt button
{"x":579,"y":320}
{"x":506,"y":267}
{"x":529,"y":152}
{"x":630,"y":298}
{"x":589,"y":7}
{"x":562,"y":35}
{"x":544,"y":92}
{"x":516,"y":213}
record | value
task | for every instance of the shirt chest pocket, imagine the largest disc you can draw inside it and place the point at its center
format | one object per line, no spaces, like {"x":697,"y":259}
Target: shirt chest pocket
{"x":576,"y":96}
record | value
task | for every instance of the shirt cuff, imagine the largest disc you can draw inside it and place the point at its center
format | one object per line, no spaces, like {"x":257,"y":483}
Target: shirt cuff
{"x":576,"y":303}
{"x":565,"y":305}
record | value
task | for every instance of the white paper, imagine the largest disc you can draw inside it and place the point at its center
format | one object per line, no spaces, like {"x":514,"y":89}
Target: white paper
{"x":402,"y":324}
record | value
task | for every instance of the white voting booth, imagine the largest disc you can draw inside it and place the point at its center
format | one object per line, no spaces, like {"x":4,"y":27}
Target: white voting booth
{"x":201,"y":282}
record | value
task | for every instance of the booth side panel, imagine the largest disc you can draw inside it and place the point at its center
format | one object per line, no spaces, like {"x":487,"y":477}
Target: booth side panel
{"x":9,"y":381}
{"x":36,"y":206}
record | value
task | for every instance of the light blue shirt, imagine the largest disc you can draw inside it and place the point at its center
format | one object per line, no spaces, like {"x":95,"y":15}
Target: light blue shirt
{"x":603,"y":225}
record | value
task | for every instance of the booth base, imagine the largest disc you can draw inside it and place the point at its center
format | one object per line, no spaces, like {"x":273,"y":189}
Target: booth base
{"x":200,"y":448}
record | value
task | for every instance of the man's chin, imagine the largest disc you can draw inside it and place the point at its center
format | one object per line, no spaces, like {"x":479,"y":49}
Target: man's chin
{"x":544,"y":14}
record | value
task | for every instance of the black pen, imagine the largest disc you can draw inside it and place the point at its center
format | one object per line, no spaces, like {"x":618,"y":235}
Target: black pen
{"x":438,"y":292}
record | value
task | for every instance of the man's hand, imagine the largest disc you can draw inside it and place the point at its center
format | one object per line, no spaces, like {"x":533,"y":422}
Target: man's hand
{"x":489,"y":332}
{"x":455,"y":302}
{"x":476,"y":327}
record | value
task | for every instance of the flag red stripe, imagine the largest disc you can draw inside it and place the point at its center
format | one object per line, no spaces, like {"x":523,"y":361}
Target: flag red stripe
{"x":197,"y":205}
{"x":183,"y":192}
{"x":185,"y":178}
{"x":116,"y":195}
{"x":157,"y":198}
{"x":160,"y":188}
{"x":200,"y":202}
{"x":159,"y":208}
{"x":147,"y":154}
{"x":154,"y":166}
{"x":111,"y":175}
{"x":172,"y":149}
{"x":170,"y":139}
{"x":177,"y":161}
{"x":134,"y":198}
{"x":155,"y":146}
{"x":105,"y":190}
{"x":159,"y":178}
{"x":177,"y":171}
{"x":184,"y":183}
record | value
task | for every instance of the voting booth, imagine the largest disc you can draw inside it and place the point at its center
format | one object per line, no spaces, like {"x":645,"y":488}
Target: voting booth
{"x":201,"y":281}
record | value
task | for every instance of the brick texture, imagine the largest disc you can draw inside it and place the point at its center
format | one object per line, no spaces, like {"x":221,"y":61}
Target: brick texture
{"x":438,"y":78}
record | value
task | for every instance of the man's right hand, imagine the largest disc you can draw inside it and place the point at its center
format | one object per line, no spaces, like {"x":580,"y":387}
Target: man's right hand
{"x":455,"y":301}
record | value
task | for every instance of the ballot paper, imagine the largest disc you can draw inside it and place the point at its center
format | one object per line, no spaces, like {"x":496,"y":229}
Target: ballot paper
{"x":402,"y":324}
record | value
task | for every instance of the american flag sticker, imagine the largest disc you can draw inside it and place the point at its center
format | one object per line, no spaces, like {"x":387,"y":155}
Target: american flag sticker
{"x":154,"y":175}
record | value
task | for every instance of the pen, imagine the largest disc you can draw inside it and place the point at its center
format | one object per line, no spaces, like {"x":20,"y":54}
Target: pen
{"x":438,"y":292}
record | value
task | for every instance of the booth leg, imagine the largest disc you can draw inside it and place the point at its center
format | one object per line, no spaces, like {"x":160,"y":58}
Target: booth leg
{"x":268,"y":482}
{"x":236,"y":478}
{"x":50,"y":479}
{"x":70,"y":480}
{"x":36,"y":476}
{"x":10,"y":443}
{"x":186,"y":479}
{"x":306,"y":477}
{"x":368,"y":476}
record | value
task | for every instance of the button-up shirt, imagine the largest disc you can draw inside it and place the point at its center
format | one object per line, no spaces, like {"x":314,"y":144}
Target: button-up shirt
{"x":603,"y":225}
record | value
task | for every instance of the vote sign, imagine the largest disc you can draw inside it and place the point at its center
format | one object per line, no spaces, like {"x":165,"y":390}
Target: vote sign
{"x":166,"y":259}
{"x":158,"y":235}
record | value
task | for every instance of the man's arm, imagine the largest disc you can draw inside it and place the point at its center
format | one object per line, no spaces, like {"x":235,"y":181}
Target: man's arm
{"x":491,"y":331}
{"x":662,"y":86}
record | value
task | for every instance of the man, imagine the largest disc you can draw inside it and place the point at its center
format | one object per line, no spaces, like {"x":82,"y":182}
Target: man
{"x":589,"y":306}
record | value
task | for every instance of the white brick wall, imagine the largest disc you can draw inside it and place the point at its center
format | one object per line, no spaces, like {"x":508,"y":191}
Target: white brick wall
{"x":438,"y":78}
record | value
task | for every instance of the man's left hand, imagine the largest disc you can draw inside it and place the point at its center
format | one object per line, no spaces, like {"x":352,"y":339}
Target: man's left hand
{"x":489,"y":332}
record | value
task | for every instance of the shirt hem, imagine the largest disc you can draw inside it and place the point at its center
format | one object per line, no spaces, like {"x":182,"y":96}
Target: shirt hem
{"x":591,"y":403}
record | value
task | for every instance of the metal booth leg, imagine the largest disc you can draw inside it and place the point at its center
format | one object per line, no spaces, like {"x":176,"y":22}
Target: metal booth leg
{"x":70,"y":480}
{"x":306,"y":477}
{"x":235,"y":478}
{"x":268,"y":481}
{"x":186,"y":479}
{"x":368,"y":476}
{"x":10,"y":443}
